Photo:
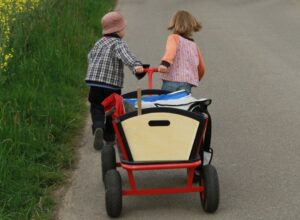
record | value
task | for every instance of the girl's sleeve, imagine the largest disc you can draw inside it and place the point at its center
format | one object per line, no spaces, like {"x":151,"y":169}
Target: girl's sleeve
{"x":201,"y":66}
{"x":170,"y":52}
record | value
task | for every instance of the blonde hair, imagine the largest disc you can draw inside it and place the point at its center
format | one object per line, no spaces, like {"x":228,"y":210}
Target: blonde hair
{"x":183,"y":23}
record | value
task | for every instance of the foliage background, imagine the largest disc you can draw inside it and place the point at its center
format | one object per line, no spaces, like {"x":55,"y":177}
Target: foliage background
{"x":43,"y":101}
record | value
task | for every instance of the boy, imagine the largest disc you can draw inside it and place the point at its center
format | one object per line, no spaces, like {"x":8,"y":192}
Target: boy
{"x":105,"y":73}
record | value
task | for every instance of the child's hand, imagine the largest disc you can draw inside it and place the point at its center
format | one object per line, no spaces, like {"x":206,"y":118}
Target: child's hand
{"x":162,"y":69}
{"x":139,"y":69}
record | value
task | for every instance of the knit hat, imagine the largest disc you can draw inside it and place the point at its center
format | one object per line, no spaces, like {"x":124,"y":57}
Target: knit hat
{"x":112,"y":22}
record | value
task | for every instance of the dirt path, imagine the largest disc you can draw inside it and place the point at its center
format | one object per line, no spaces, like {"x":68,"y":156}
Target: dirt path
{"x":85,"y":184}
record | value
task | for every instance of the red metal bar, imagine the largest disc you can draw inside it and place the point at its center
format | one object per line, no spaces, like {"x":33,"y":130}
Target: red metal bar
{"x":161,"y":166}
{"x":191,"y":172}
{"x":188,"y":188}
{"x":151,"y":69}
{"x":131,"y":180}
{"x":150,"y":72}
{"x":150,"y":79}
{"x":162,"y":191}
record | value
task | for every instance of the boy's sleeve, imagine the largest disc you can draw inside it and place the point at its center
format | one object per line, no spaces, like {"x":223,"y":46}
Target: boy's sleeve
{"x":124,"y":54}
{"x":170,"y":53}
{"x":201,"y":66}
{"x":92,"y":52}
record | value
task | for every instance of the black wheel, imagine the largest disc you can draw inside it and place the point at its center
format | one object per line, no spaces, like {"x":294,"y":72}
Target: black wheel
{"x":113,"y":193}
{"x":108,"y":159}
{"x":210,"y":196}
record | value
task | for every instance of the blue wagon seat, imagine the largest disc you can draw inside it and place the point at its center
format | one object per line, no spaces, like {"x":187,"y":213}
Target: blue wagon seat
{"x":179,"y":99}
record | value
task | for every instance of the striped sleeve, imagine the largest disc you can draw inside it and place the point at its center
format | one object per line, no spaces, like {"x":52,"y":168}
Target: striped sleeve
{"x":124,"y":54}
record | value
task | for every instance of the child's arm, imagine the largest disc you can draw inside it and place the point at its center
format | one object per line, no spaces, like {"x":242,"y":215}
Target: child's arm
{"x":170,"y":53}
{"x":201,"y":66}
{"x":124,"y":54}
{"x":93,"y":51}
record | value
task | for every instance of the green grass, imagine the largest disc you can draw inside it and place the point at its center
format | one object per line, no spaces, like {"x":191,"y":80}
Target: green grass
{"x":42,"y":103}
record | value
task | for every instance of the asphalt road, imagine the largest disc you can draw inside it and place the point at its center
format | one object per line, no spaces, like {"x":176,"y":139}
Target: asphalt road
{"x":252,"y":53}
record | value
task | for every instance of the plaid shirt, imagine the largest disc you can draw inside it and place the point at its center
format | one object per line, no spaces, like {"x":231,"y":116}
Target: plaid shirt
{"x":106,"y":62}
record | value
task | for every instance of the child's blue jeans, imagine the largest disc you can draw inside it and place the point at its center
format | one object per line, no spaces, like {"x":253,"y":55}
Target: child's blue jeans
{"x":176,"y":86}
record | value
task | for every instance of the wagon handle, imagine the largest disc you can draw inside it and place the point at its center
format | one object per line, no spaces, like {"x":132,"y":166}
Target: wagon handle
{"x":150,"y":72}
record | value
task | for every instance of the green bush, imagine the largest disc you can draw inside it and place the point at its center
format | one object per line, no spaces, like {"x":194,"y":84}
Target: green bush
{"x":43,"y":102}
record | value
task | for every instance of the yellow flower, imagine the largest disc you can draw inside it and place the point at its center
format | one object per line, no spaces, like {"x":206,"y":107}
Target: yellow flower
{"x":9,"y":9}
{"x":7,"y":57}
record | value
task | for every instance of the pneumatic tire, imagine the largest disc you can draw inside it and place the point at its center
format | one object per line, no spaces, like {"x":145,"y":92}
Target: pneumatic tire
{"x":108,"y":159}
{"x":113,"y":193}
{"x":210,"y":196}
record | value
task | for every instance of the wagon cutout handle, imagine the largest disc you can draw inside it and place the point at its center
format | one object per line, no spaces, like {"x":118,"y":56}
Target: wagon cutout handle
{"x":159,"y":123}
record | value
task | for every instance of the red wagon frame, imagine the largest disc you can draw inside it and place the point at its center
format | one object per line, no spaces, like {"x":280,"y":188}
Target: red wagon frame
{"x":125,"y":163}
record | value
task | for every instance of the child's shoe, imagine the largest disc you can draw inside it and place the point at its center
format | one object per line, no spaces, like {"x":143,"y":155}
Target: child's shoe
{"x":98,"y":139}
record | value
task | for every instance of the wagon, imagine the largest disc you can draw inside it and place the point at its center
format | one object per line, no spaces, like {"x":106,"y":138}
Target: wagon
{"x":157,"y":138}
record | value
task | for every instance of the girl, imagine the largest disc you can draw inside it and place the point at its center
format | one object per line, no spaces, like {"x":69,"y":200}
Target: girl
{"x":182,"y":65}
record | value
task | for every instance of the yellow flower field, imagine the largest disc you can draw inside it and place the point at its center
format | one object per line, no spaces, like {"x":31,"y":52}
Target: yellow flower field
{"x":9,"y":9}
